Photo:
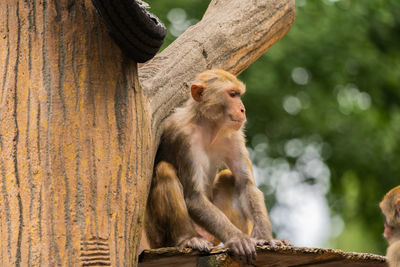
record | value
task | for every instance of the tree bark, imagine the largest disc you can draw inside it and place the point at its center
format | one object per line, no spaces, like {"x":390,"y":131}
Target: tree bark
{"x":77,"y":132}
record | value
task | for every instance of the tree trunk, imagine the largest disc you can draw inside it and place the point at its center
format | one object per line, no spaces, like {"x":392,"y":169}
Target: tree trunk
{"x":77,"y":133}
{"x":75,"y":139}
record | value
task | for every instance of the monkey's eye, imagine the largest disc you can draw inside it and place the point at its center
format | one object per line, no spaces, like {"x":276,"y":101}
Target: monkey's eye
{"x":234,"y":93}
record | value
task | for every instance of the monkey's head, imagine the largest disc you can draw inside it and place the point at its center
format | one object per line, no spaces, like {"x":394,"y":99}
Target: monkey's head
{"x":218,"y":98}
{"x":390,"y":207}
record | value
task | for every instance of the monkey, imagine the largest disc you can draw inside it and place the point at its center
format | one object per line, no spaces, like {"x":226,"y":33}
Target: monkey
{"x":390,"y":207}
{"x":206,"y":133}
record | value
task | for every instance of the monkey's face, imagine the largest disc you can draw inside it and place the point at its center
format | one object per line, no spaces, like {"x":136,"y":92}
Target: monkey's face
{"x":235,"y":111}
{"x":390,"y":207}
{"x":218,"y":96}
{"x":388,"y":233}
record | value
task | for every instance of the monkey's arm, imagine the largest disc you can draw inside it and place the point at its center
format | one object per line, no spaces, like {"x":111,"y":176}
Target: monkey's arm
{"x":206,"y":214}
{"x":250,"y":197}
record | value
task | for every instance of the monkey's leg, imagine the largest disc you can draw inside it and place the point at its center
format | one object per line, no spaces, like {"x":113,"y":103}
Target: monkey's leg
{"x":167,"y":218}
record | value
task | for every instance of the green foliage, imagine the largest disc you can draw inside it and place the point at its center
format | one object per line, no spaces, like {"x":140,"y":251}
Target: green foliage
{"x":334,"y":78}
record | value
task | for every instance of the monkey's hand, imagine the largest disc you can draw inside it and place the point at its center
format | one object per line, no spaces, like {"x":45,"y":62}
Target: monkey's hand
{"x":273,"y":242}
{"x":244,"y":247}
{"x":198,"y":243}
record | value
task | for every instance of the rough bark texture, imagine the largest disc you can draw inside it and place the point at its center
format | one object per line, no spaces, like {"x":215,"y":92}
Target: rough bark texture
{"x":74,"y":143}
{"x":231,"y":35}
{"x":77,"y":134}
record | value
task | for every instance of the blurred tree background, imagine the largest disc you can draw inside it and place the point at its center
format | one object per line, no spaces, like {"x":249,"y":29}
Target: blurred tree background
{"x":323,"y":108}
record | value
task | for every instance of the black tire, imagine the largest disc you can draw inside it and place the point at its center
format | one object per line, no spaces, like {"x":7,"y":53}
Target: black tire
{"x":137,"y":32}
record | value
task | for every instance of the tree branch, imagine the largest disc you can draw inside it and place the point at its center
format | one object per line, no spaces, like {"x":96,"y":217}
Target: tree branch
{"x":231,"y":35}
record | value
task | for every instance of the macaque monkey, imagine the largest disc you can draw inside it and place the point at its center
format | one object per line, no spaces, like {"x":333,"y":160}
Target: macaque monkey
{"x":390,"y":207}
{"x":200,"y":137}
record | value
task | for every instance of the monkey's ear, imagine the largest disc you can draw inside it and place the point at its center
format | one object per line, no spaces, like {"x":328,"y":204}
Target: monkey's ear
{"x":197,"y":92}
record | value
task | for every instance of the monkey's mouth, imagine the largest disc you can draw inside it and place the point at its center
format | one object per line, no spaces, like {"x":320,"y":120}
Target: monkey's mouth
{"x":238,"y":121}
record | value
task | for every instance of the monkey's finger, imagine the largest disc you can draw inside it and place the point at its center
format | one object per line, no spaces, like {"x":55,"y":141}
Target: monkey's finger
{"x":251,"y":257}
{"x":240,"y":249}
{"x":206,"y":246}
{"x":287,"y":242}
{"x":276,"y":243}
{"x":250,"y":251}
{"x":244,"y":254}
{"x":203,"y":245}
{"x":254,"y":255}
{"x":281,"y":242}
{"x":260,"y":242}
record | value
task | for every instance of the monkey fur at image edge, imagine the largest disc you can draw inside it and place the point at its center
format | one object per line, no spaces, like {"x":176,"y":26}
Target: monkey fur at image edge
{"x":390,"y":207}
{"x":189,"y":204}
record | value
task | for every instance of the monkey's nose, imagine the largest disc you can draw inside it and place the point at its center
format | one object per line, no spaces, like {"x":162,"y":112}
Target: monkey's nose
{"x":242,"y":110}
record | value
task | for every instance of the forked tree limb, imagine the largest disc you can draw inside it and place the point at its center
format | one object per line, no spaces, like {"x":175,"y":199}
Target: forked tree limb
{"x":231,"y":35}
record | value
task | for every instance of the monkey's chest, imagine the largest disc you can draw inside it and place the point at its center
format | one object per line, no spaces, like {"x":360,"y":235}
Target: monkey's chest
{"x":207,"y":160}
{"x":210,"y":163}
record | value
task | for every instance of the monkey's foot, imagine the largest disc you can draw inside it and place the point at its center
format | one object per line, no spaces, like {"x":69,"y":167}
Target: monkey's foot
{"x":198,"y":243}
{"x":285,"y":242}
{"x":274,"y":242}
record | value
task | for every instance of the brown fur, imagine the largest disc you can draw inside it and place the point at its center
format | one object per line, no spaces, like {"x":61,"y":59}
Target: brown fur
{"x":390,"y":207}
{"x":167,"y":212}
{"x":198,"y":138}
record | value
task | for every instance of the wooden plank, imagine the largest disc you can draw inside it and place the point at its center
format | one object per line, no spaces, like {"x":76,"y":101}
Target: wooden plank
{"x":267,"y":256}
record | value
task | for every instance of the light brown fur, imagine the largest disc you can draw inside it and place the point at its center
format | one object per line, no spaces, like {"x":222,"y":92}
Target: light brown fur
{"x":225,"y":196}
{"x":203,"y":135}
{"x":393,"y":254}
{"x":390,"y":207}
